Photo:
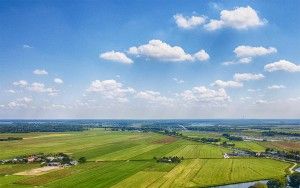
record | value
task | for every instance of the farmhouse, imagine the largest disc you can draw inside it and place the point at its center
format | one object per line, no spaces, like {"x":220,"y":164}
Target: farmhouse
{"x":50,"y":158}
{"x":226,"y":156}
{"x":74,"y":163}
{"x":30,"y":159}
{"x":54,"y":164}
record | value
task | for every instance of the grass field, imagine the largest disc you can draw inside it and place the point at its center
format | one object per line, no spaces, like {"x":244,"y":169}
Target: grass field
{"x":125,"y":159}
{"x":210,"y":172}
{"x":76,"y":143}
{"x":199,"y":151}
{"x":100,"y":145}
{"x":283,"y":145}
{"x":7,"y":179}
{"x":202,"y":134}
{"x":190,"y":173}
{"x":250,"y":145}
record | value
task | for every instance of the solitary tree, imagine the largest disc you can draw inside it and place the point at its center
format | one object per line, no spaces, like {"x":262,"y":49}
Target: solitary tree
{"x":82,"y":160}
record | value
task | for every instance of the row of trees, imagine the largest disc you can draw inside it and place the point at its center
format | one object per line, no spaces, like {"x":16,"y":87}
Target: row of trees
{"x":274,"y":133}
{"x":173,"y":159}
{"x":215,"y":128}
{"x":233,"y":138}
{"x":82,"y":160}
{"x":227,"y":144}
{"x":209,"y":140}
{"x":10,"y":139}
{"x":26,"y":128}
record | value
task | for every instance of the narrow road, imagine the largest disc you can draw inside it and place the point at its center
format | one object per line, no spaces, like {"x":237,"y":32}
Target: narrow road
{"x":292,"y":168}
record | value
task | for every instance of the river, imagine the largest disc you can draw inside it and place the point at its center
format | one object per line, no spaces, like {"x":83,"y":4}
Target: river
{"x":241,"y":185}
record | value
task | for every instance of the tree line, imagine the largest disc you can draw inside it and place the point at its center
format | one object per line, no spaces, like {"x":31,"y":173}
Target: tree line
{"x":27,"y":128}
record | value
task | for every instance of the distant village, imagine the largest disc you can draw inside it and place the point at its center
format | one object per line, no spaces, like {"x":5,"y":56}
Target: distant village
{"x":293,"y":156}
{"x":59,"y":159}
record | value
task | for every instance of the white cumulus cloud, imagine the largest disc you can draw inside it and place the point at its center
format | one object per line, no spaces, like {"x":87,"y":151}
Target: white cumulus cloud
{"x":111,"y":89}
{"x":58,"y":81}
{"x":153,"y":97}
{"x":227,"y":84}
{"x":21,"y":83}
{"x":116,"y":57}
{"x":40,"y":72}
{"x":20,"y":102}
{"x":202,"y":55}
{"x":40,"y":88}
{"x":157,"y":49}
{"x":239,"y":77}
{"x":238,"y":18}
{"x":203,"y":94}
{"x":282,"y":65}
{"x":36,"y":87}
{"x":186,"y":22}
{"x":276,"y":87}
{"x":250,"y":51}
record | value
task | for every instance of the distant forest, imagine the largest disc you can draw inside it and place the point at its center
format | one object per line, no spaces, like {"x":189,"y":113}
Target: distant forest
{"x":24,"y":126}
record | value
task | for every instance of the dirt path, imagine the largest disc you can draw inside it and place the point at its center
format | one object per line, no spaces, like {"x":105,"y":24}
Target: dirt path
{"x":47,"y":136}
{"x":291,"y":169}
{"x":38,"y":171}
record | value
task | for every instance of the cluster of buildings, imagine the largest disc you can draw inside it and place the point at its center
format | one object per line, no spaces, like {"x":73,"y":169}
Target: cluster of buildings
{"x":241,"y":153}
{"x":60,"y":159}
{"x":269,"y":153}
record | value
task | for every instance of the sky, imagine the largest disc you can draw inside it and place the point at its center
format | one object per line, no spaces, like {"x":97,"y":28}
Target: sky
{"x":149,"y":59}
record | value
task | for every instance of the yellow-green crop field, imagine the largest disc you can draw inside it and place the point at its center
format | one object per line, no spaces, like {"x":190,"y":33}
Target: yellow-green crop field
{"x":125,"y":159}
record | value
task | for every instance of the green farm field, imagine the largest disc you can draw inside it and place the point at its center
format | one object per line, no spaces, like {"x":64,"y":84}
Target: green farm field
{"x":125,"y":159}
{"x":247,"y":145}
{"x":250,"y":145}
{"x":283,"y":145}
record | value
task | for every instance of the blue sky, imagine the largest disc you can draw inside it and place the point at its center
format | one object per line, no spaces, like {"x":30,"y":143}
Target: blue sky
{"x":149,"y":59}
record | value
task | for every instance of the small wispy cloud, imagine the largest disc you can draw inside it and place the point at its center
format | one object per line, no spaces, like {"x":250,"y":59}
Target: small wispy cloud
{"x":40,"y":72}
{"x":276,"y":87}
{"x":186,"y":22}
{"x":58,"y":81}
{"x":246,"y":60}
{"x":27,"y":46}
{"x":178,"y":81}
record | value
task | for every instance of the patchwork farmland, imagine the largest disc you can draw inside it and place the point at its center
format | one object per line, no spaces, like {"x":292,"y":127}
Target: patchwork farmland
{"x":126,"y":159}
